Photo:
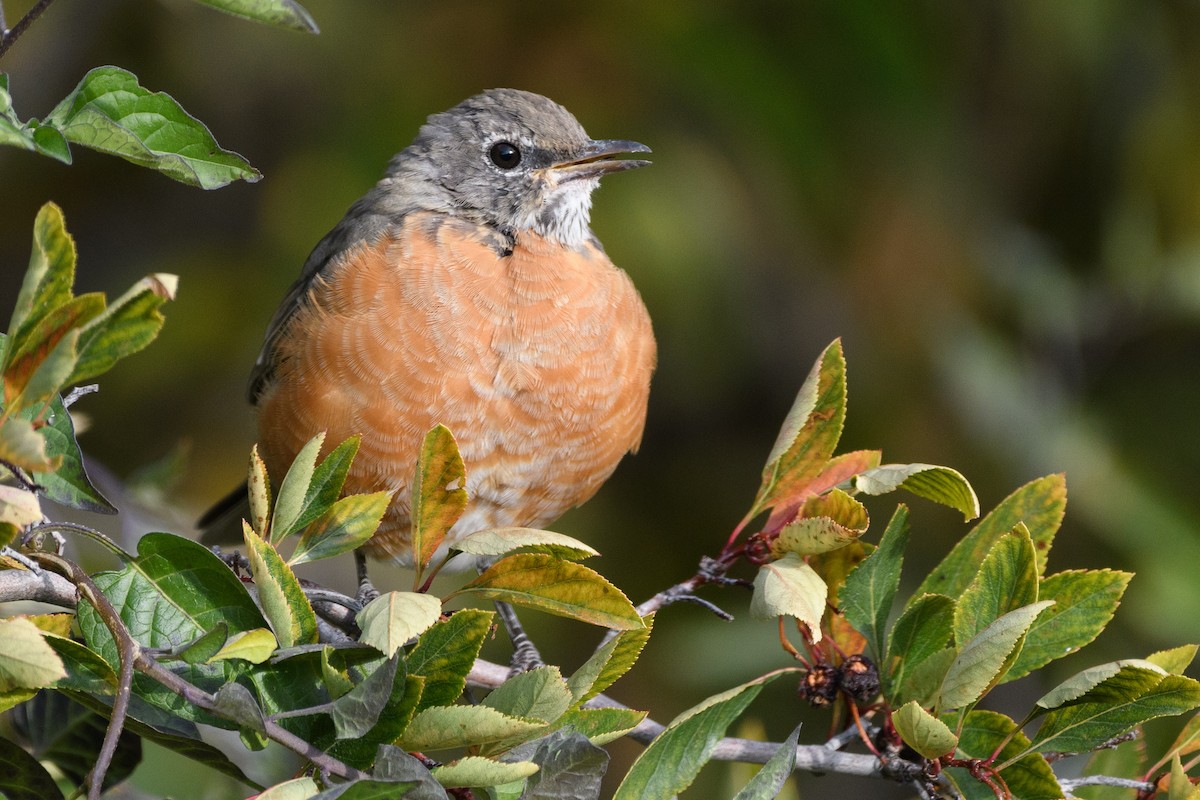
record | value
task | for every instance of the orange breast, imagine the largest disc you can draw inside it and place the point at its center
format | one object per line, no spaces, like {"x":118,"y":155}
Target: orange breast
{"x":539,"y":362}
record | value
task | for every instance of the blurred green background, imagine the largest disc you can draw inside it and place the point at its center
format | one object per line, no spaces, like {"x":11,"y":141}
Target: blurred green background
{"x":995,"y":204}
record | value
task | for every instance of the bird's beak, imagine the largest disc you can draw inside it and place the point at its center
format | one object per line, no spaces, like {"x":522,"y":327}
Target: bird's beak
{"x":595,"y":159}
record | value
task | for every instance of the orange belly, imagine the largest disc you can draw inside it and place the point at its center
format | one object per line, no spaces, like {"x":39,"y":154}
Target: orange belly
{"x":539,"y":362}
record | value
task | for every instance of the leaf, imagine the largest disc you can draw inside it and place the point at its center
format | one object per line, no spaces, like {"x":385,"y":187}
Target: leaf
{"x":1188,"y":740}
{"x":237,"y":703}
{"x":1084,"y":602}
{"x":1180,"y":786}
{"x":26,"y":661}
{"x":570,"y":766}
{"x":393,"y":719}
{"x":18,"y":510}
{"x":344,"y":527}
{"x":1028,"y":777}
{"x":38,"y":340}
{"x":255,"y":646}
{"x":923,"y":732}
{"x":280,"y":13}
{"x":810,"y":431}
{"x":445,"y":653}
{"x":325,"y":485}
{"x":558,"y":587}
{"x":87,"y":671}
{"x":602,"y":725}
{"x":283,"y":601}
{"x":36,"y":389}
{"x":1175,"y":660}
{"x":980,"y":661}
{"x":1083,"y":682}
{"x":22,"y":777}
{"x":439,"y":494}
{"x":206,"y":645}
{"x":1039,"y":504}
{"x":295,"y":789}
{"x":356,"y":712}
{"x":129,"y":323}
{"x":49,"y":278}
{"x":392,"y":619}
{"x":1007,"y":580}
{"x":474,"y":771}
{"x":258,"y":489}
{"x":837,"y":470}
{"x":66,"y":735}
{"x":293,"y":490}
{"x":828,"y":522}
{"x":110,"y":112}
{"x":609,"y":662}
{"x":500,"y":541}
{"x":540,"y":693}
{"x":68,"y":484}
{"x":768,"y":781}
{"x":866,"y":595}
{"x":939,"y":484}
{"x":1113,"y":707}
{"x":22,"y":446}
{"x":671,"y":762}
{"x":393,"y":764}
{"x":789,"y":587}
{"x":444,"y":727}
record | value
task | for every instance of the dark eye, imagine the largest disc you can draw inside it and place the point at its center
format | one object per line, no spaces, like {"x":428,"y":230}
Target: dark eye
{"x":505,"y":155}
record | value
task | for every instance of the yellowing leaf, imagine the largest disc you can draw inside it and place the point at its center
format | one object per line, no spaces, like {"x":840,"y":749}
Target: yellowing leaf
{"x":258,"y":485}
{"x":293,"y":490}
{"x":476,"y":771}
{"x":923,"y":732}
{"x":439,"y":494}
{"x":790,"y":587}
{"x":443,"y":727}
{"x":498,"y":541}
{"x":255,"y":646}
{"x":26,"y":661}
{"x":392,"y":619}
{"x":283,"y":601}
{"x":347,"y":524}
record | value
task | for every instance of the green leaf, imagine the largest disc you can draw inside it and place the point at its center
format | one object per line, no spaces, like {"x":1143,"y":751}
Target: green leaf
{"x":397,"y":712}
{"x":558,"y":587}
{"x":1175,"y":660}
{"x":39,"y":387}
{"x":21,"y":776}
{"x":281,"y":13}
{"x":66,"y":735}
{"x":22,"y":446}
{"x":473,"y":771}
{"x":444,"y":727}
{"x":1188,"y":740}
{"x":1180,"y":786}
{"x":237,"y":703}
{"x":1113,"y":707}
{"x":671,"y":762}
{"x":393,"y":764}
{"x":570,"y":767}
{"x":540,"y":693}
{"x":38,"y":341}
{"x":866,"y":595}
{"x":980,"y":661}
{"x":1028,"y":777}
{"x":207,"y":645}
{"x":50,"y":275}
{"x":255,"y":646}
{"x":609,"y":662}
{"x":1007,"y":580}
{"x":501,"y":541}
{"x":939,"y":484}
{"x":349,"y":523}
{"x":1083,"y":682}
{"x":295,"y":789}
{"x":87,"y":671}
{"x":356,"y":712}
{"x":445,"y":653}
{"x":126,"y":326}
{"x":923,"y":732}
{"x":110,"y":112}
{"x":602,"y":725}
{"x":26,"y":661}
{"x":392,"y":619}
{"x":68,"y":484}
{"x":29,"y":136}
{"x":325,"y":485}
{"x":286,"y":607}
{"x":439,"y":494}
{"x":1039,"y":504}
{"x":790,"y":587}
{"x":1084,"y":602}
{"x":768,"y":781}
{"x":294,"y":490}
{"x":810,"y":431}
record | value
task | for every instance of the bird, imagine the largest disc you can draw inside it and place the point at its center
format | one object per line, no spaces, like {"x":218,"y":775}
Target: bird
{"x":467,"y":289}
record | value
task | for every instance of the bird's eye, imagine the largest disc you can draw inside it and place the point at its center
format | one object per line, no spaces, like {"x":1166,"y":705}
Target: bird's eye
{"x":505,"y":155}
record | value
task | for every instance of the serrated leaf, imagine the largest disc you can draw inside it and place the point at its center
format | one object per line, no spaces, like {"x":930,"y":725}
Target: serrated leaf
{"x":828,"y":522}
{"x":609,"y":662}
{"x":671,"y":762}
{"x":280,"y":13}
{"x":601,"y":725}
{"x":1039,"y":504}
{"x":558,"y":587}
{"x":939,"y":484}
{"x":258,"y":489}
{"x":923,"y":732}
{"x":444,"y":727}
{"x":445,"y":653}
{"x":357,"y":711}
{"x":1113,"y":707}
{"x":867,"y":593}
{"x":472,"y":771}
{"x":255,"y":646}
{"x":392,"y":619}
{"x":22,"y":777}
{"x":50,"y":276}
{"x":1188,"y":740}
{"x":325,"y":485}
{"x":393,"y":764}
{"x":348,"y":524}
{"x":979,"y":662}
{"x":570,"y":767}
{"x":539,"y":693}
{"x":768,"y":781}
{"x":1180,"y":786}
{"x":397,"y":712}
{"x":1083,"y":682}
{"x":110,"y":112}
{"x":367,"y":789}
{"x":283,"y":601}
{"x":836,"y":472}
{"x":293,"y":490}
{"x":500,"y":541}
{"x":129,"y":323}
{"x":295,"y":789}
{"x":26,"y":661}
{"x":1084,"y":602}
{"x":39,"y":339}
{"x":790,"y":587}
{"x":68,"y":484}
{"x":1007,"y":580}
{"x":439,"y":494}
{"x":1175,"y":660}
{"x":1028,"y":777}
{"x":810,"y":431}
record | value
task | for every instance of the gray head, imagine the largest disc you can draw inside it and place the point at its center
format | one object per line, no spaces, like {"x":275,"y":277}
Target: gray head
{"x":510,"y":159}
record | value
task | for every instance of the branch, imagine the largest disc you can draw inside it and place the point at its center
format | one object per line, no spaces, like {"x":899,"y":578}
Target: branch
{"x":10,"y":36}
{"x":42,"y":586}
{"x":1068,"y":785}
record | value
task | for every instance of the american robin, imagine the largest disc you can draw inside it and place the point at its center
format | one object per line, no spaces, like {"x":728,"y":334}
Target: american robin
{"x":467,"y":288}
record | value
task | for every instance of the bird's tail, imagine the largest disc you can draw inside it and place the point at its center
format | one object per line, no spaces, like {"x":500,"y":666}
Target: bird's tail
{"x":222,"y":524}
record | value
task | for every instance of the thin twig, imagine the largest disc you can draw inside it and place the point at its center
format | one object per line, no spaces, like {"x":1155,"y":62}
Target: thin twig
{"x":10,"y":36}
{"x":27,"y":483}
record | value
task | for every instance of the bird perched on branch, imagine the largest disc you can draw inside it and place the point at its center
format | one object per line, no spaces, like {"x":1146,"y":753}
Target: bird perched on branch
{"x":467,"y":288}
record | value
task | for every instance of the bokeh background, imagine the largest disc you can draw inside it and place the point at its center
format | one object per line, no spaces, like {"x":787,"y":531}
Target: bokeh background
{"x":996,"y":205}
